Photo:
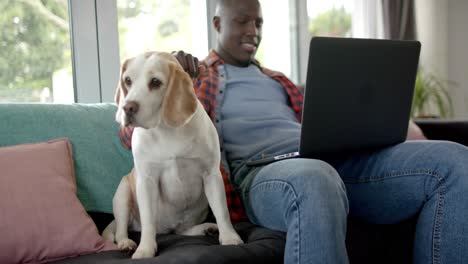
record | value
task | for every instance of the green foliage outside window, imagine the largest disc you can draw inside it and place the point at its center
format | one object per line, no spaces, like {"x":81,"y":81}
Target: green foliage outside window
{"x":35,"y":39}
{"x":34,"y":43}
{"x":335,"y":22}
{"x":167,"y":25}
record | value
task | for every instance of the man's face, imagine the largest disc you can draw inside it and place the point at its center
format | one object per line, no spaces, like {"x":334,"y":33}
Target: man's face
{"x":239,"y":28}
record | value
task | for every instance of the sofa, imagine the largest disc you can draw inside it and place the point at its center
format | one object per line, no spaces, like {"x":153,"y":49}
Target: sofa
{"x":61,"y":164}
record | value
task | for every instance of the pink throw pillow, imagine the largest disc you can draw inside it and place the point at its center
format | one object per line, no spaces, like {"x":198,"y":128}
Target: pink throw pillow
{"x":41,"y":218}
{"x":414,"y":132}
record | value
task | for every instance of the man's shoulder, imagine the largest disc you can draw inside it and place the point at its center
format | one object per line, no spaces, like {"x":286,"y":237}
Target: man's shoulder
{"x":206,"y":80}
{"x":209,"y":67}
{"x":211,"y":60}
{"x":272,"y":73}
{"x":206,"y":70}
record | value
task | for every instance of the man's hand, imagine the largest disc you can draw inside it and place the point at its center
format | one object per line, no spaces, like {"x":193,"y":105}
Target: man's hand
{"x":188,"y":62}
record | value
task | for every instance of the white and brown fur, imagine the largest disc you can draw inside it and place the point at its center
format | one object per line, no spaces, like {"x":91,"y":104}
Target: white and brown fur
{"x":176,"y":155}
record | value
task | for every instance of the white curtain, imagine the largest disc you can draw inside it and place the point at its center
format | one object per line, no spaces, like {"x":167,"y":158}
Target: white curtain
{"x":367,"y":19}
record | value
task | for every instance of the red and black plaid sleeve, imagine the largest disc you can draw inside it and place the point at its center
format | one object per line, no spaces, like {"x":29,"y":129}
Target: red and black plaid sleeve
{"x":125,"y":135}
{"x":234,"y":203}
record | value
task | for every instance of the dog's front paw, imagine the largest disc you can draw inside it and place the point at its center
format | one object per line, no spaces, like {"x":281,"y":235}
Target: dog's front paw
{"x":126,"y":245}
{"x":144,"y":252}
{"x":231,"y":238}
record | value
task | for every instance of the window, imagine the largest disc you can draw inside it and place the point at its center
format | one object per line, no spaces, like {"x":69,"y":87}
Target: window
{"x":146,"y":25}
{"x":275,"y":49}
{"x":36,"y":58}
{"x":35,"y":54}
{"x":345,"y":18}
{"x":331,"y":18}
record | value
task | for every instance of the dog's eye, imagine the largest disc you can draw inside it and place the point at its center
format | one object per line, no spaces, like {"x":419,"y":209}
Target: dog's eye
{"x":128,"y":81}
{"x":155,"y":83}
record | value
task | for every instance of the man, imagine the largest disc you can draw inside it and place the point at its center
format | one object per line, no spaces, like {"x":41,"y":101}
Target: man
{"x":257,"y":112}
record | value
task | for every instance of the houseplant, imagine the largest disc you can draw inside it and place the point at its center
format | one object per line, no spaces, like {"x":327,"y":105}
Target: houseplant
{"x":431,"y":97}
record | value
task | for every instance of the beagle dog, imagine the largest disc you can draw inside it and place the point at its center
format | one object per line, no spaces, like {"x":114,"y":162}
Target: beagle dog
{"x":176,"y":155}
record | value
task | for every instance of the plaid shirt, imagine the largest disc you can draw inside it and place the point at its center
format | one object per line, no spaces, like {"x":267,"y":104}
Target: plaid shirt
{"x":207,"y":90}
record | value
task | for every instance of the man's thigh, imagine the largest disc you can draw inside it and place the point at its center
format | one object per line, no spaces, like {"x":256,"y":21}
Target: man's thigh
{"x":392,"y":184}
{"x":280,"y":187}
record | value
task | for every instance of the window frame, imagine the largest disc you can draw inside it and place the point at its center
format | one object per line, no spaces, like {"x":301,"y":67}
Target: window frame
{"x":95,"y":46}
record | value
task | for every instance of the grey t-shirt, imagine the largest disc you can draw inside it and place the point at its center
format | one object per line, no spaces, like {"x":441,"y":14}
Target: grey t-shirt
{"x":256,"y":119}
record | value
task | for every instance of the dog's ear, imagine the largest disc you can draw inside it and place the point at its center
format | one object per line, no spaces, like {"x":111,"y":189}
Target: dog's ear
{"x":180,"y":102}
{"x":121,"y":88}
{"x":119,"y":98}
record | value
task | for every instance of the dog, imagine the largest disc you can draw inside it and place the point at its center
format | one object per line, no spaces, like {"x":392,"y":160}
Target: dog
{"x":175,"y":146}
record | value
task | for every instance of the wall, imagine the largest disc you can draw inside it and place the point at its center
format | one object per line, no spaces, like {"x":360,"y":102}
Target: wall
{"x":458,"y":54}
{"x":441,"y":28}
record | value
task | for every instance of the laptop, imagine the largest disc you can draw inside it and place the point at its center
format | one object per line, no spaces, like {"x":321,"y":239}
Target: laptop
{"x":358,"y":96}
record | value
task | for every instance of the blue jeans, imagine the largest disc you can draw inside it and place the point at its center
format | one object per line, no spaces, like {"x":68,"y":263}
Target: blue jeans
{"x":310,"y":200}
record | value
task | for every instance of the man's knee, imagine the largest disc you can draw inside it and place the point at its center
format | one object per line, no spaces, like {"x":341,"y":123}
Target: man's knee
{"x":447,"y":156}
{"x":452,"y":159}
{"x":310,"y":176}
{"x":318,"y":188}
{"x":445,"y":151}
{"x":290,"y":184}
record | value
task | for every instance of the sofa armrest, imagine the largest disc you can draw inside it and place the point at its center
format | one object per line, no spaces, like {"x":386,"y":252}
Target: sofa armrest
{"x":445,"y":129}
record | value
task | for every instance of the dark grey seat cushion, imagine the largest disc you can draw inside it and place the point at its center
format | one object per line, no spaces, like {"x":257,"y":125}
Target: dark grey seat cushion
{"x":261,"y":246}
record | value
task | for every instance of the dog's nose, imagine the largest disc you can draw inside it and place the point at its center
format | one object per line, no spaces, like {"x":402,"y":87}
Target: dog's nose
{"x":131,"y":108}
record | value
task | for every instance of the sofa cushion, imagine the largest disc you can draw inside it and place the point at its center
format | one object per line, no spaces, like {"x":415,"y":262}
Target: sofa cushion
{"x":41,"y":218}
{"x":100,"y":159}
{"x":261,"y":246}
